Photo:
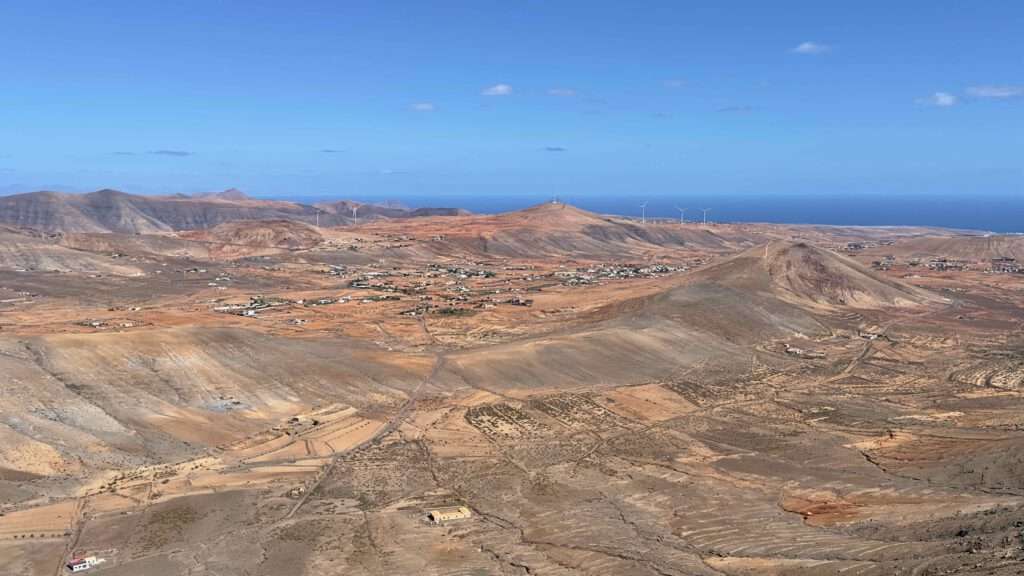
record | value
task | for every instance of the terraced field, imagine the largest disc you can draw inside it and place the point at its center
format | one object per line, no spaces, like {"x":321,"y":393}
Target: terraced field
{"x":1003,"y":374}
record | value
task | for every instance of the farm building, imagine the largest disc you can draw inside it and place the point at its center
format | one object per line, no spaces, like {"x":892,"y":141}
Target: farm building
{"x":82,"y":564}
{"x":439,"y":515}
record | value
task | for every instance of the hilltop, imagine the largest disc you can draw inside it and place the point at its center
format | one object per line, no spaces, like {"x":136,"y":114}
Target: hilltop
{"x":556,"y":229}
{"x":229,"y":195}
{"x":811,"y":276}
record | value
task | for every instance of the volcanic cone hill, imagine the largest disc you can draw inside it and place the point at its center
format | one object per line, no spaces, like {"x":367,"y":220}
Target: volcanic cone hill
{"x":812,"y":276}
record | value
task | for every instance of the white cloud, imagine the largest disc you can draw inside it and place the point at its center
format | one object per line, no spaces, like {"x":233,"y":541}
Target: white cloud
{"x":564,"y":92}
{"x":990,"y":91}
{"x":497,"y":90}
{"x":675,"y":83}
{"x":811,"y":48}
{"x":424,"y":107}
{"x":940,"y":99}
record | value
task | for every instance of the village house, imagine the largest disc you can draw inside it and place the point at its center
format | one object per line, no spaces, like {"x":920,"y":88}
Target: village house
{"x":943,"y":264}
{"x":83,"y":564}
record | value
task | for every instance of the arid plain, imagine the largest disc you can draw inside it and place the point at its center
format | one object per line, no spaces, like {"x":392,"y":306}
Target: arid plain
{"x":265,"y":395}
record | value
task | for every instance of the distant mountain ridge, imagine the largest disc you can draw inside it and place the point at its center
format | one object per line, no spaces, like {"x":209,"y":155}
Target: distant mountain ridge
{"x":114,"y":211}
{"x":343,"y":208}
{"x":231,"y":195}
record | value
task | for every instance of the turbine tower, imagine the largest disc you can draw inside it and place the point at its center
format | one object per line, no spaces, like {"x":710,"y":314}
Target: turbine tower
{"x":643,"y":213}
{"x":705,"y":211}
{"x":355,"y":215}
{"x":682,"y":215}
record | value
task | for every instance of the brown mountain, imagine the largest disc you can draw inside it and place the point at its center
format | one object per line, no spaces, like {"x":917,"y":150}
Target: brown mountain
{"x":341,"y":211}
{"x":973,"y":248}
{"x":774,"y":291}
{"x":248,"y":238}
{"x":559,"y":230}
{"x":33,"y":251}
{"x":810,"y":276}
{"x":114,"y":211}
{"x":230,"y":195}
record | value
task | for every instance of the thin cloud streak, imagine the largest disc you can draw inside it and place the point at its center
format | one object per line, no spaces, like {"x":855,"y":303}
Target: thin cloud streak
{"x":940,"y":100}
{"x":736,"y":109}
{"x":178,"y":153}
{"x":998,"y":92}
{"x":811,"y":48}
{"x":497,"y":90}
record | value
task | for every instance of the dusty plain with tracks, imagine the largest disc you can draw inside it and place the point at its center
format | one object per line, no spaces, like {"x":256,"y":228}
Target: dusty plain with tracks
{"x":605,"y":397}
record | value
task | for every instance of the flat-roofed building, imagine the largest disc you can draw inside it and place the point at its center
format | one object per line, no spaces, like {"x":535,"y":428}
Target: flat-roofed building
{"x":447,"y":513}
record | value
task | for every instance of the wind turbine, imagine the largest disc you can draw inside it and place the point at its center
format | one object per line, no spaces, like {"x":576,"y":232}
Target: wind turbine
{"x":705,"y":211}
{"x":355,"y":215}
{"x":643,"y":213}
{"x":682,"y":215}
{"x":317,"y":217}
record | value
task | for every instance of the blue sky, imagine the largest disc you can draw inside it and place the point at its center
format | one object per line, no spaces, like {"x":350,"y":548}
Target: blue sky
{"x":528,"y":99}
